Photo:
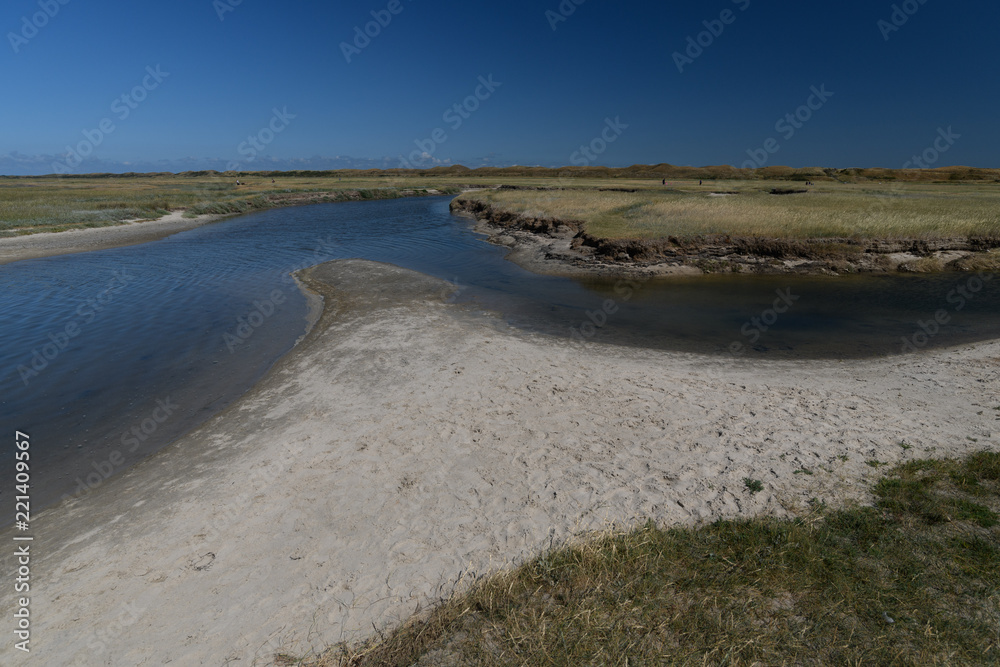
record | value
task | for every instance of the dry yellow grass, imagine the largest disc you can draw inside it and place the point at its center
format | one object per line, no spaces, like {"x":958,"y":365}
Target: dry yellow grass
{"x":45,"y":204}
{"x":611,"y":207}
{"x":910,"y":581}
{"x":826,"y":211}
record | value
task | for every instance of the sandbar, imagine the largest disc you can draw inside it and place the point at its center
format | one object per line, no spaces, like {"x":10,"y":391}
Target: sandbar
{"x":47,"y":244}
{"x":409,"y":445}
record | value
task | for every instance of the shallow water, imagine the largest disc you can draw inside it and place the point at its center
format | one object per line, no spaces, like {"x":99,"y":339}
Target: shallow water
{"x":109,"y":355}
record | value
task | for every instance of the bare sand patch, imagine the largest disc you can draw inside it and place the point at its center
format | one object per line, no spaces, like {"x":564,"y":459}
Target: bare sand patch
{"x":46,"y":244}
{"x":408,"y":443}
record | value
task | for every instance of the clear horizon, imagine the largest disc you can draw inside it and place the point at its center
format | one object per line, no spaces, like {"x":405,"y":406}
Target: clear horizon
{"x":228,"y":84}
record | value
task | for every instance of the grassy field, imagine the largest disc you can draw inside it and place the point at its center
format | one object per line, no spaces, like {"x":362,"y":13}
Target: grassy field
{"x":845,"y":203}
{"x":30,"y":205}
{"x":688,"y":210}
{"x":44,"y":204}
{"x":612,"y":206}
{"x":914,"y":580}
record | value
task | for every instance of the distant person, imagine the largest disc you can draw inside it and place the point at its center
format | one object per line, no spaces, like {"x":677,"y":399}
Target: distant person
{"x":272,"y":180}
{"x":664,"y":181}
{"x":699,"y":182}
{"x":237,"y":182}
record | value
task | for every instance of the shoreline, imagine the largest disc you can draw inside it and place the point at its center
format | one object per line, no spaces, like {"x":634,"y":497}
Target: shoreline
{"x":135,"y":232}
{"x":407,"y":445}
{"x":557,"y":247}
{"x":71,"y":241}
{"x":562,"y":247}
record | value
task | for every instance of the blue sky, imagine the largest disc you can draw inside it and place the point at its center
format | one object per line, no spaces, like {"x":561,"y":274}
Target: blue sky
{"x":268,"y":85}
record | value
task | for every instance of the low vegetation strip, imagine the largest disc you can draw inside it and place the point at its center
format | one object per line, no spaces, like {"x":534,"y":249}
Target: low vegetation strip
{"x":843,"y":221}
{"x":743,"y":226}
{"x":33,"y":205}
{"x":912,"y":580}
{"x":751,"y":210}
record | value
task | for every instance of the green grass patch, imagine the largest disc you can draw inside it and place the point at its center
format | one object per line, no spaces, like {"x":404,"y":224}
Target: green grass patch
{"x":913,"y":580}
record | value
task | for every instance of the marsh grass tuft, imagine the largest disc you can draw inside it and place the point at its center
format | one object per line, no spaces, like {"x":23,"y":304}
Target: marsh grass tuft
{"x":912,"y":580}
{"x":981,"y":262}
{"x":922,"y":265}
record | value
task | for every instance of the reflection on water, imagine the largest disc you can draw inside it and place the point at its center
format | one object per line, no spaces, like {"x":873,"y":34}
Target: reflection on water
{"x":805,"y":316}
{"x":109,"y":355}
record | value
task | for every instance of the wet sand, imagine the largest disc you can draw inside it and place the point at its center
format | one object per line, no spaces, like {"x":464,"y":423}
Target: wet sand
{"x":31,"y":246}
{"x":408,"y":444}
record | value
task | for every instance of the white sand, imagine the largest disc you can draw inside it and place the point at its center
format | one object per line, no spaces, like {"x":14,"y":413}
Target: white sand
{"x":407,"y":442}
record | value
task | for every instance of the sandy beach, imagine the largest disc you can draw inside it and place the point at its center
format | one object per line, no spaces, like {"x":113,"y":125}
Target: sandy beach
{"x":408,"y":445}
{"x":47,"y":244}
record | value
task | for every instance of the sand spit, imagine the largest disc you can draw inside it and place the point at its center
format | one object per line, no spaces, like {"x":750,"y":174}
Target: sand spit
{"x":408,"y":443}
{"x":15,"y":248}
